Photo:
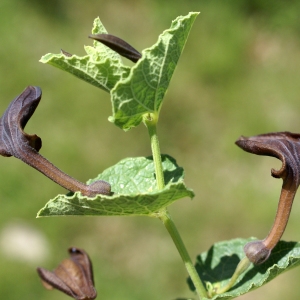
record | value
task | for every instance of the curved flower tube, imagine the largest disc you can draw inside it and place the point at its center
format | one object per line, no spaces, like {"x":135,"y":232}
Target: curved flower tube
{"x":286,"y":147}
{"x":15,"y":142}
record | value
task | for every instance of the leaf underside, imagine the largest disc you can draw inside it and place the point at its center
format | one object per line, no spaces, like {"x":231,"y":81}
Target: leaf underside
{"x":135,"y":192}
{"x":101,"y":67}
{"x":218,"y":264}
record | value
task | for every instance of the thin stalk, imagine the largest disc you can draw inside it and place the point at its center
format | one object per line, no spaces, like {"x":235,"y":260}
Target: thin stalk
{"x":240,"y":269}
{"x":169,"y":224}
{"x":150,"y":122}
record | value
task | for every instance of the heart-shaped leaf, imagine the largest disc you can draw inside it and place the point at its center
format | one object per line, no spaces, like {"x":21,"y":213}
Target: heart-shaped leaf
{"x":217,"y":265}
{"x":144,"y":89}
{"x":135,"y":191}
{"x":139,"y":91}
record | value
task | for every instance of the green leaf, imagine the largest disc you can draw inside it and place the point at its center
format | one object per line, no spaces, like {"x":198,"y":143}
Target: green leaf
{"x":143,"y":90}
{"x":135,"y":192}
{"x":218,"y":264}
{"x":102,"y":67}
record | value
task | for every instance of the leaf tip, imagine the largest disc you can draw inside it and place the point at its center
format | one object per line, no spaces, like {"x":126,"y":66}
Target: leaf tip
{"x":98,"y":26}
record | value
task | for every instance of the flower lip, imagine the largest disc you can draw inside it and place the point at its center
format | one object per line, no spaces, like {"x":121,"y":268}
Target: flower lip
{"x":281,"y":145}
{"x":15,"y":119}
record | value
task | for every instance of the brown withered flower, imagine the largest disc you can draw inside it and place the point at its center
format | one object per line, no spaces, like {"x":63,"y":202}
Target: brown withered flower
{"x":73,"y":276}
{"x":15,"y":142}
{"x":286,"y":147}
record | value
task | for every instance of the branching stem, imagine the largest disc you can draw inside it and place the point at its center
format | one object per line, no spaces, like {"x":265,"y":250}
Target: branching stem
{"x":150,"y":120}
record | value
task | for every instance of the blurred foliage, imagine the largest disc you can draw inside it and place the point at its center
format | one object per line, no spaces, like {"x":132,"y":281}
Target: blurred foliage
{"x":238,"y":75}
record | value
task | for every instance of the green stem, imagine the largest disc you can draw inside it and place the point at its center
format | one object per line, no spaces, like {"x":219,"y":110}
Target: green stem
{"x":169,"y":224}
{"x":240,"y":269}
{"x":150,"y":121}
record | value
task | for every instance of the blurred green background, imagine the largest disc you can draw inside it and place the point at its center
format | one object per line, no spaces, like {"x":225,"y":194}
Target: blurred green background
{"x":238,"y":75}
